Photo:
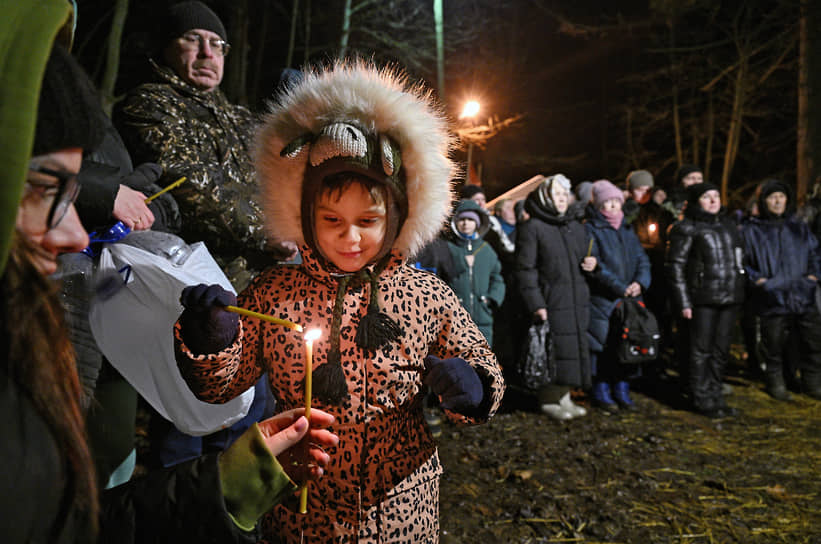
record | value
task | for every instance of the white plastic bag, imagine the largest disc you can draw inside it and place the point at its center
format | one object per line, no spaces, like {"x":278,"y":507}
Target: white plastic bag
{"x":134,"y":329}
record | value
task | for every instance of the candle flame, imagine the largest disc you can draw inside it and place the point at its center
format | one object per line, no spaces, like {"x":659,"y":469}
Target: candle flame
{"x":313,"y":334}
{"x":651,"y":227}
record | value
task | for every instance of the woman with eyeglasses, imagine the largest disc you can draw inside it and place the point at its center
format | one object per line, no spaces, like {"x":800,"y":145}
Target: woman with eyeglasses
{"x":48,"y":489}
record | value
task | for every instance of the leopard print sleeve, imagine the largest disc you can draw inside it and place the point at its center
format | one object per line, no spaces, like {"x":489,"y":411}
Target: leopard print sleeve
{"x":212,"y":377}
{"x":454,"y":334}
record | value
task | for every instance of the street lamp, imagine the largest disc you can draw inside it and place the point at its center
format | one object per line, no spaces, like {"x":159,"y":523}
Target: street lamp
{"x":470,"y":111}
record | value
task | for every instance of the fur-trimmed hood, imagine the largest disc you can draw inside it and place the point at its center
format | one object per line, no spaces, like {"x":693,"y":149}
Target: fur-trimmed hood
{"x":378,"y":102}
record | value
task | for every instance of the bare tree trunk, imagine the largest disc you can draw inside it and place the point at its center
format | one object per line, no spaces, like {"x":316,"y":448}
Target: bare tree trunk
{"x":804,"y":166}
{"x":346,"y":29}
{"x":677,"y":127}
{"x":440,"y":48}
{"x":711,"y":127}
{"x":695,"y":135}
{"x":631,"y":148}
{"x":671,"y":23}
{"x":236,"y":69}
{"x":306,"y":55}
{"x":259,"y":55}
{"x":292,"y":38}
{"x":734,"y":131}
{"x":112,"y":64}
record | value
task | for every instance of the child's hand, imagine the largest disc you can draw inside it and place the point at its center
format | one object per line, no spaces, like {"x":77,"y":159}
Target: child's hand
{"x":455,"y":382}
{"x":205,"y":326}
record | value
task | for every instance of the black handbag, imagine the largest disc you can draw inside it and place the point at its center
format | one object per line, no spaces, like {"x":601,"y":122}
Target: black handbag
{"x":539,"y":362}
{"x":634,"y":332}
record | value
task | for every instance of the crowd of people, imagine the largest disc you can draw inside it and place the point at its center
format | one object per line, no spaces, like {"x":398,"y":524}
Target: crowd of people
{"x":336,"y":210}
{"x":579,"y":251}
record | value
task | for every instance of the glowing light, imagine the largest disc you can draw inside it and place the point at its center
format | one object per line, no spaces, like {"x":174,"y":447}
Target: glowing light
{"x":470,"y":110}
{"x":652,"y":227}
{"x":313,"y":334}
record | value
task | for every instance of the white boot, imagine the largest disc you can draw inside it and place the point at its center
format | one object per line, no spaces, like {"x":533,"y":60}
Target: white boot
{"x":574,"y":409}
{"x":557,"y":412}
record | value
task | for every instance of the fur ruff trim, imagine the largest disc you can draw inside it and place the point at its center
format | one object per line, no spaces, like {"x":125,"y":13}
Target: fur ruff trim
{"x":378,"y":101}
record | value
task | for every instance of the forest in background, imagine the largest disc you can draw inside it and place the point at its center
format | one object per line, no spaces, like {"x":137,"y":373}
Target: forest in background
{"x":602,"y":88}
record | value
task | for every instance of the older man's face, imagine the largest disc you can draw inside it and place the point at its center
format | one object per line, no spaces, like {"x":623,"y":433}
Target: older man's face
{"x":198,"y":57}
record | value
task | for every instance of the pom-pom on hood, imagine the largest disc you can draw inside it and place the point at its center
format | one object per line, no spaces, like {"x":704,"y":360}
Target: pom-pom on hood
{"x":399,"y":122}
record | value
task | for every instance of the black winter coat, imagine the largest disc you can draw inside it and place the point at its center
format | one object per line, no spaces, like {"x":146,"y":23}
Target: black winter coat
{"x":549,"y":252}
{"x":784,"y":252}
{"x":704,"y":261}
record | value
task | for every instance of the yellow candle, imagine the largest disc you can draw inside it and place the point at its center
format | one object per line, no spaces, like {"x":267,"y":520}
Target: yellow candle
{"x":590,"y":247}
{"x":310,"y":336}
{"x":265,"y":317}
{"x":155,"y":195}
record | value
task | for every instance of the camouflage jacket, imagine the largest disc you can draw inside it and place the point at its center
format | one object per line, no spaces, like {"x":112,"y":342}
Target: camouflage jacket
{"x":204,"y":137}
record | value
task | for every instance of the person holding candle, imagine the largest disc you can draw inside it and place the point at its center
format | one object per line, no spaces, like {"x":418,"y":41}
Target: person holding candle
{"x":354,"y":165}
{"x":651,"y":222}
{"x":706,"y":274}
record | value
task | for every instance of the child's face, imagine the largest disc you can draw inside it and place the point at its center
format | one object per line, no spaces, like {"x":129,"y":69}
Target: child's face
{"x":612,"y":205}
{"x":350,"y":227}
{"x":466,"y":226}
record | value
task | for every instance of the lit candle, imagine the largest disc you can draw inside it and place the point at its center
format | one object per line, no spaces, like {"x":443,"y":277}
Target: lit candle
{"x":652,"y":228}
{"x":310,"y":336}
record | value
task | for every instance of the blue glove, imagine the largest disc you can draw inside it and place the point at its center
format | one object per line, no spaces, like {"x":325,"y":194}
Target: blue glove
{"x":205,"y":326}
{"x":455,"y":382}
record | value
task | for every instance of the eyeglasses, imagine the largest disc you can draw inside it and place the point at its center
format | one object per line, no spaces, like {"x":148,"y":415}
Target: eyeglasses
{"x":191,"y":40}
{"x":65,"y":193}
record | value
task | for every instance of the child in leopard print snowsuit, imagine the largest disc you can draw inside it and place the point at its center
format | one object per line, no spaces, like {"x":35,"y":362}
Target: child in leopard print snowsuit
{"x":353,"y":167}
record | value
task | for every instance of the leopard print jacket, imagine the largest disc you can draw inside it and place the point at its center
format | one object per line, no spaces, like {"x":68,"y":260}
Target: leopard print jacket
{"x":382,"y":482}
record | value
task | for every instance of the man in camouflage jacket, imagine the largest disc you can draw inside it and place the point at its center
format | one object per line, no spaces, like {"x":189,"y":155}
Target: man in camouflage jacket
{"x":184,"y":122}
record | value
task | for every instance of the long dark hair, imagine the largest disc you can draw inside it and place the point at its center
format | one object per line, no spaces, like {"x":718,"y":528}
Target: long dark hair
{"x":41,"y":363}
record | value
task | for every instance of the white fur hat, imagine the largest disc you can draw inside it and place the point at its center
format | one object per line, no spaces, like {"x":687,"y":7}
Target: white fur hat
{"x":314,"y":121}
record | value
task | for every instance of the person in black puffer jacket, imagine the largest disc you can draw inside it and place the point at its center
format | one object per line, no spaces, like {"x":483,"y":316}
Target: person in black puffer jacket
{"x":706,"y":273}
{"x":783,"y":264}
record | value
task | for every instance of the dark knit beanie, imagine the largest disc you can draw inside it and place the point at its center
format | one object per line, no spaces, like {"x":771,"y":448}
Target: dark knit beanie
{"x":771,"y":186}
{"x":69,"y":114}
{"x":694,"y":192}
{"x":185,"y":16}
{"x":684,"y":171}
{"x":467,"y":191}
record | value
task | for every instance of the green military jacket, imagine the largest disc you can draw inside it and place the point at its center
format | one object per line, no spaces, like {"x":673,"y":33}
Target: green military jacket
{"x":204,"y":137}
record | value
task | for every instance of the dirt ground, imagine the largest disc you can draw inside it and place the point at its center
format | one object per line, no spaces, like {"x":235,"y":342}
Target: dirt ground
{"x":657,"y":475}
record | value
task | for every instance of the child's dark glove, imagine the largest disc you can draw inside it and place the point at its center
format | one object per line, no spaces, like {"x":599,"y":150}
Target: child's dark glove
{"x":456,"y":383}
{"x":204,"y":325}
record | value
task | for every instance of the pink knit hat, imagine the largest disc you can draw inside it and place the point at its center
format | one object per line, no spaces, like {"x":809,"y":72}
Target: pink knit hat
{"x":603,"y":191}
